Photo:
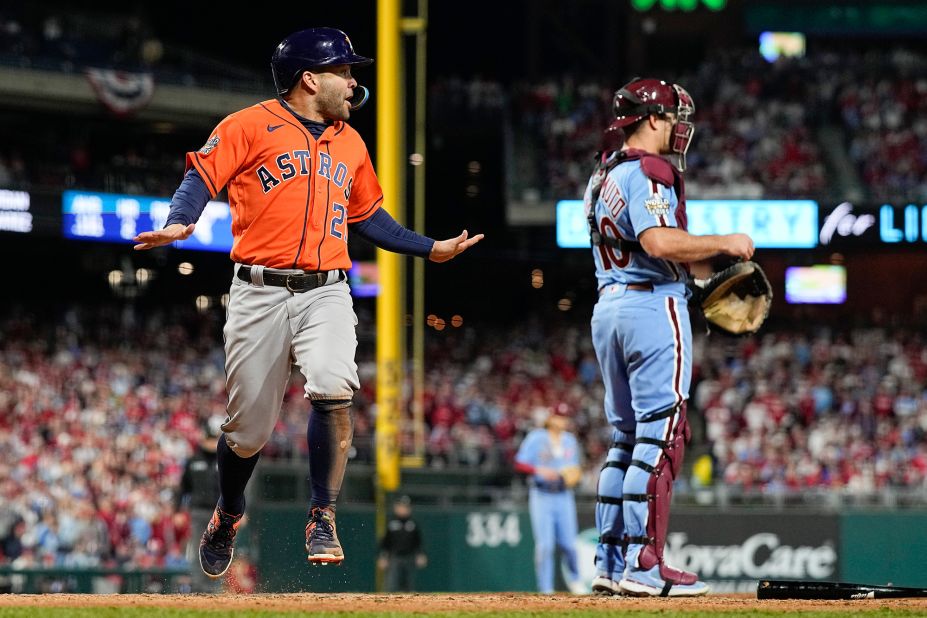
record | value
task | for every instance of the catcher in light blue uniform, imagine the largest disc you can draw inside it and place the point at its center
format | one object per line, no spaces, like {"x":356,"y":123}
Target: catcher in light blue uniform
{"x":635,"y":204}
{"x":550,"y":455}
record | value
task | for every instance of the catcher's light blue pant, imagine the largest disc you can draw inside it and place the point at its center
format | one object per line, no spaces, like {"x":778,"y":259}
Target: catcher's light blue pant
{"x":553,"y":521}
{"x":643,"y":341}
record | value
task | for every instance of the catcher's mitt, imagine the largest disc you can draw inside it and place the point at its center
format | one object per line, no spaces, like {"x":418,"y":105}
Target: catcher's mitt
{"x":571,"y":475}
{"x":736,"y":300}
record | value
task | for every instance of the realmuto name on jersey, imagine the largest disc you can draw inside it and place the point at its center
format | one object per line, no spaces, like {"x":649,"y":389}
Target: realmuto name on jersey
{"x":299,"y":163}
{"x":611,"y":197}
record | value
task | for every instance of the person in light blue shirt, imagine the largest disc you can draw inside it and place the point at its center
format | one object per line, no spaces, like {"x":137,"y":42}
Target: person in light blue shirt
{"x":550,"y":458}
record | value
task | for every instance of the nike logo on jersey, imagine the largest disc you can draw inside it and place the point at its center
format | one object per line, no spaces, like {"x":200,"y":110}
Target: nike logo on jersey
{"x":272,"y":128}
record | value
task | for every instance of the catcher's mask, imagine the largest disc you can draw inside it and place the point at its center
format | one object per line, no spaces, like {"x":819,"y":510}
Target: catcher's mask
{"x":315,"y":48}
{"x":641,"y":97}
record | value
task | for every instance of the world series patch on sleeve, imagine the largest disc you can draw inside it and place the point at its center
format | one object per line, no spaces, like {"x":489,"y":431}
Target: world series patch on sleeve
{"x":736,"y":300}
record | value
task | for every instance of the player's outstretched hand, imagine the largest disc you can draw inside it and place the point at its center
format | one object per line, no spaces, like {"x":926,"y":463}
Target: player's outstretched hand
{"x":159,"y":238}
{"x":443,"y":250}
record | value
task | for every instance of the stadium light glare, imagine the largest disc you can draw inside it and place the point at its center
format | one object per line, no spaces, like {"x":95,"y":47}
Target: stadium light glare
{"x":537,"y":278}
{"x":683,"y":5}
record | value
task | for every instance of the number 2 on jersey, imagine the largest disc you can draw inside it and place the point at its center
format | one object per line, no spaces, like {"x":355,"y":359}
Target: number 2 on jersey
{"x":338,"y":220}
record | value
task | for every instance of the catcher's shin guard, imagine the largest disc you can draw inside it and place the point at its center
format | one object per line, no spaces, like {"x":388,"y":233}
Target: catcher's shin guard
{"x":657,"y":460}
{"x":609,"y":516}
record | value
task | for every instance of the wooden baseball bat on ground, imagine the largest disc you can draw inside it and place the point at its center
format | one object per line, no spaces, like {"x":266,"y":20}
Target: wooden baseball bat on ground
{"x":792,"y":589}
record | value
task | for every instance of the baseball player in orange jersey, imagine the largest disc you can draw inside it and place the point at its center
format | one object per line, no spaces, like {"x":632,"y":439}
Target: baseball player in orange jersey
{"x":298,"y":177}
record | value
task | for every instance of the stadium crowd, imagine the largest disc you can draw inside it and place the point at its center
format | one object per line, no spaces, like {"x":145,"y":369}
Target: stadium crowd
{"x":143,"y":169}
{"x":758,"y":133}
{"x":793,"y":411}
{"x":95,"y":435}
{"x":69,"y":40}
{"x":72,"y":38}
{"x":883,"y":107}
{"x":758,"y":124}
{"x":754,"y":131}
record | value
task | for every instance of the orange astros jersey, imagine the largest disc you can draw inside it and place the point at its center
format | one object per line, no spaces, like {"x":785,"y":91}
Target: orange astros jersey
{"x":292,"y":196}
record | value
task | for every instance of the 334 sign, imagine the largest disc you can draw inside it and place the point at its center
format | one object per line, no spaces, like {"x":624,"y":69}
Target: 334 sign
{"x":493,"y":529}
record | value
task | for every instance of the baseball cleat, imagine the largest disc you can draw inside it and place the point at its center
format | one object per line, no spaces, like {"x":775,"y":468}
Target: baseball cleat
{"x":217,"y":547}
{"x":662,"y":581}
{"x":604,"y":586}
{"x":322,"y":544}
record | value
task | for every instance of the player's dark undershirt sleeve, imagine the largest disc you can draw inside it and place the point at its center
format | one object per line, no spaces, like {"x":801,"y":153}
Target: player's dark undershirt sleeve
{"x":189,"y":200}
{"x":385,"y":232}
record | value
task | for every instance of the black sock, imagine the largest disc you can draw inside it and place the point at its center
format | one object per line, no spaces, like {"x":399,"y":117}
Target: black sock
{"x":234,"y":472}
{"x":329,"y":437}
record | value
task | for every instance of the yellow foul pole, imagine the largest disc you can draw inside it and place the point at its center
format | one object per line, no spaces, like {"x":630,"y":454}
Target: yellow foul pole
{"x":389,"y":301}
{"x":416,"y":26}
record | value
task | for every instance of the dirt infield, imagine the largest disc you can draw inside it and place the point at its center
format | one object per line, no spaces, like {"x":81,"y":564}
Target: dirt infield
{"x":452,"y":603}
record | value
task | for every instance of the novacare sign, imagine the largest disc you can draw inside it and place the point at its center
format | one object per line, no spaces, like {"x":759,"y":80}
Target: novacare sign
{"x":759,"y":556}
{"x":731,"y":550}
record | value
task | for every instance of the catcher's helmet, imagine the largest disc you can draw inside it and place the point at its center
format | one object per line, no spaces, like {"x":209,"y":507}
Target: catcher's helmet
{"x":642,"y":97}
{"x":310,"y":49}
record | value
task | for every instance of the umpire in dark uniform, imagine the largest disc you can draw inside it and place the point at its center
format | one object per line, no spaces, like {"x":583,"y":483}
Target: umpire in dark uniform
{"x":401,"y":549}
{"x":198,"y":492}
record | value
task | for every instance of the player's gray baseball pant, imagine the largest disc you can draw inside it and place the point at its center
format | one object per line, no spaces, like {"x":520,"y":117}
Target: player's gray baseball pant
{"x":267,"y":329}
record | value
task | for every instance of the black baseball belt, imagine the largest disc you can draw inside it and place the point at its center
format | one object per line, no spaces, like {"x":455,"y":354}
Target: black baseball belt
{"x":295,"y":282}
